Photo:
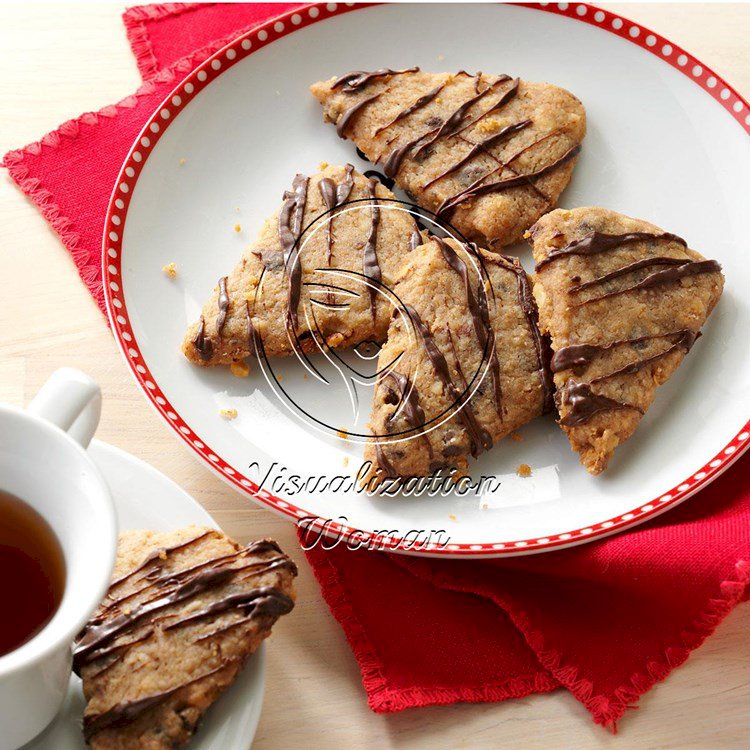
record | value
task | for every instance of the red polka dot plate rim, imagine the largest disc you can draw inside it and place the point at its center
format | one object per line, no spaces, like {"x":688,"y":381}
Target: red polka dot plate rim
{"x":220,"y":141}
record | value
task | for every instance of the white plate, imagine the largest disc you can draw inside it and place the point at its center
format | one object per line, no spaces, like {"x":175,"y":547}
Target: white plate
{"x":666,"y":143}
{"x":145,"y":498}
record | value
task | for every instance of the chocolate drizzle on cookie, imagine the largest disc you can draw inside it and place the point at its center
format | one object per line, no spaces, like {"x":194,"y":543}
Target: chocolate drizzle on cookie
{"x":348,"y":114}
{"x":125,"y":712}
{"x":478,"y":309}
{"x":625,"y":270}
{"x":415,"y":240}
{"x":290,"y":229}
{"x":583,"y":403}
{"x":528,"y":306}
{"x":357,"y":79}
{"x":479,"y":148}
{"x":478,"y":190}
{"x":455,"y":120}
{"x":578,"y":356}
{"x":452,"y":125}
{"x":599,"y":242}
{"x":203,"y":345}
{"x":395,"y":158}
{"x":407,"y":403}
{"x":685,"y":342}
{"x":171,"y":599}
{"x":422,"y":101}
{"x":370,"y":265}
{"x":479,"y":439}
{"x":499,"y":104}
{"x":334,"y":196}
{"x":223,"y":304}
{"x":666,"y":276}
{"x":383,"y":462}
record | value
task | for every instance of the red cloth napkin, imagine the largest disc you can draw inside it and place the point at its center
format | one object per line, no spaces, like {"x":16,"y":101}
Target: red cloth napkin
{"x":605,"y":620}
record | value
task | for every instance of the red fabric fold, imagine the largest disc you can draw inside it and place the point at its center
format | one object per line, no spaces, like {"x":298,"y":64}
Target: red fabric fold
{"x":605,"y":620}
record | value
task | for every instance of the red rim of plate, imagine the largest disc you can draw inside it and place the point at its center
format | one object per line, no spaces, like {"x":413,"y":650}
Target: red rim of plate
{"x":262,"y":36}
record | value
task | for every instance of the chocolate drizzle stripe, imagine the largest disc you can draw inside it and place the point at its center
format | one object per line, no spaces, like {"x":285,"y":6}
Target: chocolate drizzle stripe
{"x":122,"y":714}
{"x":370,"y":265}
{"x":492,"y":344}
{"x":118,"y":648}
{"x":479,"y":312}
{"x":265,"y":600}
{"x":348,"y":114}
{"x":541,"y":345}
{"x":344,"y":188}
{"x":290,"y":228}
{"x":396,"y":157}
{"x":357,"y":79}
{"x":333,"y":196}
{"x":446,"y":128}
{"x":455,"y":119}
{"x":422,"y":101}
{"x":629,"y":268}
{"x":633,"y":367}
{"x":223,"y":304}
{"x":450,"y":203}
{"x":202,"y":344}
{"x":479,"y":438}
{"x":452,"y":259}
{"x":667,"y":276}
{"x":225,"y":628}
{"x":479,"y":148}
{"x":599,"y":242}
{"x":582,"y":355}
{"x":174,"y":578}
{"x":177,"y":588}
{"x":157,"y":555}
{"x":585,"y":404}
{"x":415,"y":240}
{"x":408,"y":404}
{"x":499,"y":104}
{"x":383,"y":462}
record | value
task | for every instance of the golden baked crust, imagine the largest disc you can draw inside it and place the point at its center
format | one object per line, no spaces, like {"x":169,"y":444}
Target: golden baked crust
{"x":623,"y":302}
{"x":469,"y":364}
{"x":488,"y":153}
{"x":257,"y":298}
{"x":184,"y":611}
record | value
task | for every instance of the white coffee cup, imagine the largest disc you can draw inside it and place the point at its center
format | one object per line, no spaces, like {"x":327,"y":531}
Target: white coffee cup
{"x":43,"y":461}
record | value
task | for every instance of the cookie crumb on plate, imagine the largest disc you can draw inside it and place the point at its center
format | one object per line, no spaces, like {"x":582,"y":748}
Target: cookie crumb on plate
{"x":239,"y":369}
{"x":170,"y":270}
{"x":523,"y":470}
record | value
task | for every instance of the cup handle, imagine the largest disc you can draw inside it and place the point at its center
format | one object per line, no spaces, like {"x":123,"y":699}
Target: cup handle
{"x":71,"y":400}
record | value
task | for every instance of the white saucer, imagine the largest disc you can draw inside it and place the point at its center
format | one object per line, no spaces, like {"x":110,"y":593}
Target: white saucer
{"x":145,"y":498}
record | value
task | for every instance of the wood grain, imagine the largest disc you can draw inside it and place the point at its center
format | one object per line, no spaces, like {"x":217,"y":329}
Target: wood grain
{"x":314,"y":696}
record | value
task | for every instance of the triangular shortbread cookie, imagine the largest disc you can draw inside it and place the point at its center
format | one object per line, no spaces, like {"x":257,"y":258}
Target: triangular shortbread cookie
{"x":308,"y":275}
{"x":468,"y":362}
{"x":488,"y":153}
{"x":184,"y":612}
{"x":623,"y":302}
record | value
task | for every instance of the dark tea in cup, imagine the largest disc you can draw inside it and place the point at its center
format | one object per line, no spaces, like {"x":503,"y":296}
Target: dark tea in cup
{"x":32,"y":572}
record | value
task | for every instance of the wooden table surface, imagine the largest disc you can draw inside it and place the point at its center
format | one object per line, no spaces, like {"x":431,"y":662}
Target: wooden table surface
{"x":60,"y":60}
